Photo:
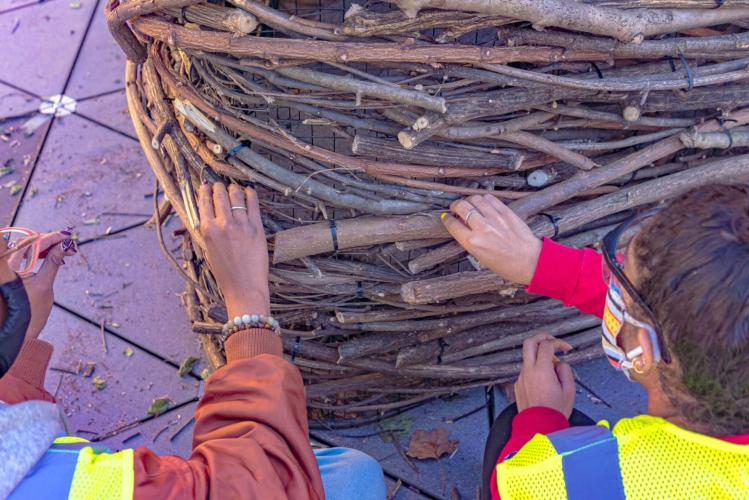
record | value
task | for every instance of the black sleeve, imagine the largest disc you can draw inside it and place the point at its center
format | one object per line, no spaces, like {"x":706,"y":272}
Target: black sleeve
{"x":13,"y":330}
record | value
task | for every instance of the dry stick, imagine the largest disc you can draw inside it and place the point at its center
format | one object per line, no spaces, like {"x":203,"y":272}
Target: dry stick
{"x":456,"y":285}
{"x":726,"y":139}
{"x":435,"y":257}
{"x":500,"y":102}
{"x":359,"y":87}
{"x":219,"y":18}
{"x":380,"y":170}
{"x":137,"y":110}
{"x":288,"y":178}
{"x":728,"y":170}
{"x":277,"y":19}
{"x":653,"y":82}
{"x":625,"y":25}
{"x":674,"y":47}
{"x":537,"y":143}
{"x":302,"y":241}
{"x":311,"y":50}
{"x":559,"y":328}
{"x":435,"y":155}
{"x":365,"y":23}
{"x":647,"y":121}
{"x":565,"y":190}
{"x":118,"y":15}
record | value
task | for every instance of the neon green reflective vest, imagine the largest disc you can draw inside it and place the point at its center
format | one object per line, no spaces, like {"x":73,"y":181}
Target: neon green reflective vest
{"x":73,"y":468}
{"x":643,"y":458}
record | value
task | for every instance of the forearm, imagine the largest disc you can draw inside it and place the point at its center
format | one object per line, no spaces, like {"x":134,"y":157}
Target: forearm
{"x":573,"y":276}
{"x":251,"y":426}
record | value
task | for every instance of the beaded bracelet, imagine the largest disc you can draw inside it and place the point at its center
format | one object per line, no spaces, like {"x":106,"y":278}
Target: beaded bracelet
{"x":251,"y":321}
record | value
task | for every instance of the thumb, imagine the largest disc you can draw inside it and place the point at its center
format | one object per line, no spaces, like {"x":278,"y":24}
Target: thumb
{"x":566,"y":378}
{"x":47,"y":273}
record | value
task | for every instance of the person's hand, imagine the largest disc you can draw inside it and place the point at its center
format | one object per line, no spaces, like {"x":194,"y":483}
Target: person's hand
{"x":236,"y":250}
{"x":40,"y":286}
{"x":494,"y":235}
{"x":544,"y":381}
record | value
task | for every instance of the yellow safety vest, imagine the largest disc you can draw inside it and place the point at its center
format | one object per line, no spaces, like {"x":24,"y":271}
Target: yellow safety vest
{"x":72,"y":468}
{"x":643,"y":458}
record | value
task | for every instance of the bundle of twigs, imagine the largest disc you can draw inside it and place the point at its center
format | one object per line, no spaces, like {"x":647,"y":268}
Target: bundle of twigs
{"x":358,"y":124}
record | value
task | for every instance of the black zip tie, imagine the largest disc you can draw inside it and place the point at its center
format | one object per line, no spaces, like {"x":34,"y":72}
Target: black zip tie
{"x":333,"y":234}
{"x":671,"y":63}
{"x":598,"y":70}
{"x":554,"y":221}
{"x":690,"y":73}
{"x":295,"y":349}
{"x":442,"y":345}
{"x":359,"y":290}
{"x":719,"y":3}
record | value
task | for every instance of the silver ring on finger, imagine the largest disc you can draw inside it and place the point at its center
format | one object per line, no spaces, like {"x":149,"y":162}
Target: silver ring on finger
{"x":238,"y":208}
{"x":469,"y":213}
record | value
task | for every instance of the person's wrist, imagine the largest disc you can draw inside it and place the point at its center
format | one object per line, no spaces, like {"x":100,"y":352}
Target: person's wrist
{"x":534,"y":253}
{"x":247,"y":302}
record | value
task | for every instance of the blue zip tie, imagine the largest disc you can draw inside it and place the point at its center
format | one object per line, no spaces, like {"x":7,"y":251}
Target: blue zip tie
{"x":236,"y":149}
{"x":333,"y":234}
{"x":690,"y":73}
{"x":295,"y":349}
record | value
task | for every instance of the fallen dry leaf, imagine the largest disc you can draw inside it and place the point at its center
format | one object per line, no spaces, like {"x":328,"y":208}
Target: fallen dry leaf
{"x":99,"y":383}
{"x":159,"y":406}
{"x":430,"y":444}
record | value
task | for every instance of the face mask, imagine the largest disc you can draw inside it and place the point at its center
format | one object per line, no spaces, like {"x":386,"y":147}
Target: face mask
{"x":614,"y":316}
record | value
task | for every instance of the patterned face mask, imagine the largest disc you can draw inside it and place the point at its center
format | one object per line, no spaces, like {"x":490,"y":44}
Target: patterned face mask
{"x":615,"y":313}
{"x":614,"y":316}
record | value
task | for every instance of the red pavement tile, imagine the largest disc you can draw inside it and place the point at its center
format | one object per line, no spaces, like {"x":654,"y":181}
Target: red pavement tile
{"x":125,"y":281}
{"x":88,"y":177}
{"x":110,"y":110}
{"x":44,"y":40}
{"x":17,"y":155}
{"x":132,"y":382}
{"x":101,"y":64}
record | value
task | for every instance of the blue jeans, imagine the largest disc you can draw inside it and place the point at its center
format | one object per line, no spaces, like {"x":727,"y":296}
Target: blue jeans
{"x":350,"y":474}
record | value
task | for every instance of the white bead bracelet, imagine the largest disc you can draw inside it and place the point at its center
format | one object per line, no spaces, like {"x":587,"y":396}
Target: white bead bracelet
{"x":251,"y":321}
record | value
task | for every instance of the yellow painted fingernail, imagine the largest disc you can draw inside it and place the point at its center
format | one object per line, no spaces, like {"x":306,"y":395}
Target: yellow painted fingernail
{"x":443,"y":215}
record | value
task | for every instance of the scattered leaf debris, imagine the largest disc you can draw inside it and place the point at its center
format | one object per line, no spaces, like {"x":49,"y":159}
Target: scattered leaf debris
{"x":186,"y":366}
{"x":88,"y":369}
{"x":205,"y":373}
{"x":159,"y":406}
{"x":128,"y":352}
{"x":431,"y":444}
{"x":99,"y":383}
{"x":395,"y":427}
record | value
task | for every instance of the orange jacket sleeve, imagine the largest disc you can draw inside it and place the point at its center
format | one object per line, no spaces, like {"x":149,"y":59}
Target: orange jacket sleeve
{"x":250,"y":438}
{"x":25,"y":379}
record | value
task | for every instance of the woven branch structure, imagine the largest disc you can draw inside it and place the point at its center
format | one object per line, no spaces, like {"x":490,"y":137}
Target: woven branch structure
{"x":358,"y":124}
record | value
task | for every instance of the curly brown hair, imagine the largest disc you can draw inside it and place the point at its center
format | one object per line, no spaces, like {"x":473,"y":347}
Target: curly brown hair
{"x":693,"y":267}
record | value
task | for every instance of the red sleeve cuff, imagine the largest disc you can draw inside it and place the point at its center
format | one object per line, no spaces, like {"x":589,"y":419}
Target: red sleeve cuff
{"x":538,"y":420}
{"x":557,"y":271}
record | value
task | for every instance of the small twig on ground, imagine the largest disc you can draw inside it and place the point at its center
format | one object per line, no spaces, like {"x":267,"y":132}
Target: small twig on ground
{"x":103,"y":337}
